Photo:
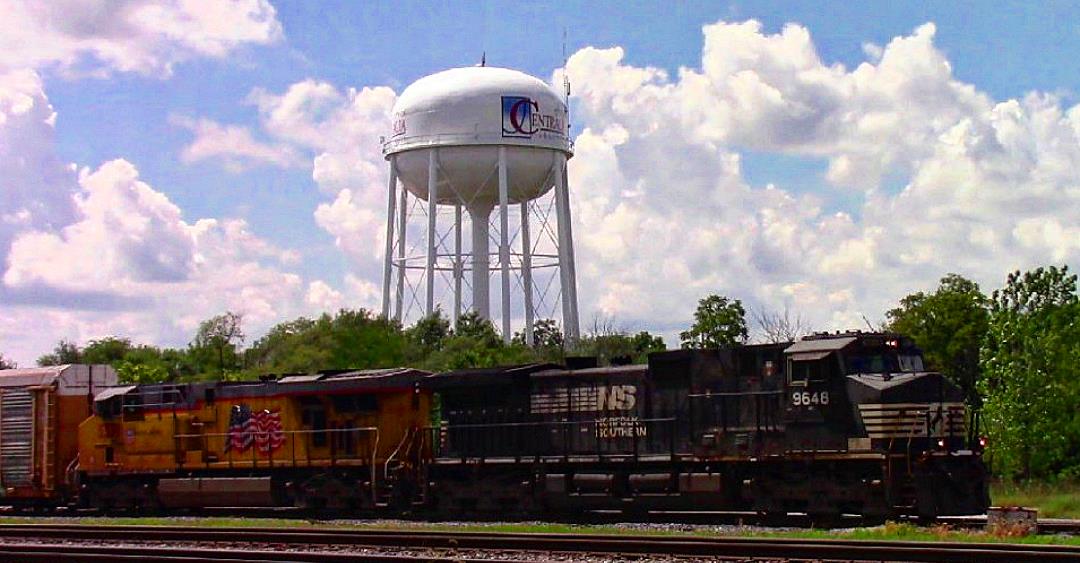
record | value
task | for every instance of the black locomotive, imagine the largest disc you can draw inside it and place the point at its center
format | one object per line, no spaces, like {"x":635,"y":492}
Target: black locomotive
{"x":845,"y":423}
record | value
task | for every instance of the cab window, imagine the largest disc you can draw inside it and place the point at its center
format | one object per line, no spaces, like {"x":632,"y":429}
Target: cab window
{"x":911,"y":362}
{"x":803,"y":372}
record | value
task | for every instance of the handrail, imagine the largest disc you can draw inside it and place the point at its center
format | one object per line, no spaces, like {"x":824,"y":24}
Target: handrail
{"x":433,"y":431}
{"x":71,"y":470}
{"x":260,"y":432}
{"x":735,"y":394}
{"x":393,"y":454}
{"x":540,"y":423}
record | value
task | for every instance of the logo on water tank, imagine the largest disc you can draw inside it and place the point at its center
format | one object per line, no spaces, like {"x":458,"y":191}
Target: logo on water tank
{"x":517,"y":112}
{"x":521,"y":118}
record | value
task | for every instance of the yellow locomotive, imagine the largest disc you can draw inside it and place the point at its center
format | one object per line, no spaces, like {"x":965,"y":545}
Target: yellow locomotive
{"x":348,"y":440}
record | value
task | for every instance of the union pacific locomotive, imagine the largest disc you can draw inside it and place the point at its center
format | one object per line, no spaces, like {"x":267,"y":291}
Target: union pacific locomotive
{"x":832,"y":424}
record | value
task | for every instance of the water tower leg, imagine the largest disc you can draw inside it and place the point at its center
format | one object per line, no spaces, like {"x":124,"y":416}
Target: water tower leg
{"x":526,"y":272}
{"x":480,"y":216}
{"x":566,"y":253}
{"x":458,"y":269}
{"x":403,"y":216}
{"x":504,"y":244}
{"x":388,"y":255}
{"x":432,"y":196}
{"x":575,"y":319}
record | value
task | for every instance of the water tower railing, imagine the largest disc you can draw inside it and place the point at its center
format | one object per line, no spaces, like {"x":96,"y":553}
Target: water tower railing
{"x":411,"y":142}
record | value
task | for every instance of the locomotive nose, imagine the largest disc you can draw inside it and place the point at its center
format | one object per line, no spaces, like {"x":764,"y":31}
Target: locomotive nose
{"x":908,"y":406}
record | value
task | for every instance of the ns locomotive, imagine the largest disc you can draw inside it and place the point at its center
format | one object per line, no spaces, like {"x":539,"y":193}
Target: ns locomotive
{"x":833,"y":424}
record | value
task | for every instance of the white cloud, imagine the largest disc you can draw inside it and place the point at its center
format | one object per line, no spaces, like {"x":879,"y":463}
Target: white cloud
{"x":88,"y":253}
{"x":342,"y":129}
{"x":144,"y":36}
{"x":358,"y":293}
{"x":993,"y":186}
{"x":234,"y":145}
{"x":131,"y":242}
{"x":128,"y":233}
{"x":322,"y":297}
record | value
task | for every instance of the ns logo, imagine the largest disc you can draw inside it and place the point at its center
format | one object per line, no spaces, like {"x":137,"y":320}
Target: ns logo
{"x":616,"y":397}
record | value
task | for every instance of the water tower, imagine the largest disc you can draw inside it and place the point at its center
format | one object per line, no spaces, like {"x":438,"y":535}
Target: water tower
{"x":472,"y":141}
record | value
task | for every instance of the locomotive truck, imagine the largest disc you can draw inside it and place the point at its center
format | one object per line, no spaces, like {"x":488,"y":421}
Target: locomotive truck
{"x":833,"y":424}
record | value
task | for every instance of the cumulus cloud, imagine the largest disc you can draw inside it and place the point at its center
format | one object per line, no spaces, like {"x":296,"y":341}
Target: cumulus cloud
{"x":774,"y":93}
{"x":97,"y":251}
{"x":992,"y":185}
{"x":144,"y":36}
{"x":164,"y":274}
{"x":342,"y":128}
{"x":127,"y":234}
{"x":35,"y":184}
{"x":322,"y":297}
{"x":234,"y":145}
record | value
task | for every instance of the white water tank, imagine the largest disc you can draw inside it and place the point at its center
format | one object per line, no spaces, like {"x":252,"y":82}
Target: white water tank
{"x":468,"y":113}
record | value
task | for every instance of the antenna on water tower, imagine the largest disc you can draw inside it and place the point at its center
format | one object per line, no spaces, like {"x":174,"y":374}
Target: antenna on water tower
{"x":566,"y":82}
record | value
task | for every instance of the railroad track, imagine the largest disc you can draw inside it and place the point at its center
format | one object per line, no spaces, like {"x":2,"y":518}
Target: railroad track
{"x":1046,"y":525}
{"x":40,"y":542}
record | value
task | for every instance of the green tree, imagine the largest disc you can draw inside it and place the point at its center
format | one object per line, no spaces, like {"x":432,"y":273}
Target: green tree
{"x":548,"y":341}
{"x":644,"y":344}
{"x":606,"y":342}
{"x":1031,"y":379}
{"x":428,"y":334}
{"x":215,"y":344}
{"x":65,"y":352}
{"x":472,"y":325}
{"x":6,"y":363}
{"x":299,"y":345}
{"x":718,"y":321}
{"x":109,"y":350}
{"x":350,"y":339}
{"x":475,"y":343}
{"x":949,"y":325}
{"x":362,"y":340}
{"x":145,"y":364}
{"x":546,"y":334}
{"x":128,"y":371}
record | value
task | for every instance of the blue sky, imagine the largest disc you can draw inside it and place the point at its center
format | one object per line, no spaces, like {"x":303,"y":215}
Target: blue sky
{"x":1007,"y":49}
{"x":132,"y":109}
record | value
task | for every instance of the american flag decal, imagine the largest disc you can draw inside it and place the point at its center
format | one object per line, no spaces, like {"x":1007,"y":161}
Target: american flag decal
{"x":262,"y":428}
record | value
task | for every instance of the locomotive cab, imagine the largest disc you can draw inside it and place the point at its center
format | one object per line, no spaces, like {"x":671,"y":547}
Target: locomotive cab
{"x":814,"y":403}
{"x":888,"y":404}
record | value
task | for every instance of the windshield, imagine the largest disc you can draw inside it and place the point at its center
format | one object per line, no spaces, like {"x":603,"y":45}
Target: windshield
{"x":884,"y":363}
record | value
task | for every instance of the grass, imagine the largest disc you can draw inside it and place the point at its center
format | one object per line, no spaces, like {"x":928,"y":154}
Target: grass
{"x":889,"y":532}
{"x":1054,"y":500}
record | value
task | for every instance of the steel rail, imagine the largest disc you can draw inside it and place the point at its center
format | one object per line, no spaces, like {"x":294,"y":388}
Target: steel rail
{"x":844,"y":550}
{"x":116,"y":554}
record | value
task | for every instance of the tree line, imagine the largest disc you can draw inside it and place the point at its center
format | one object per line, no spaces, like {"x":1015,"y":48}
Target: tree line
{"x":1015,"y":352}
